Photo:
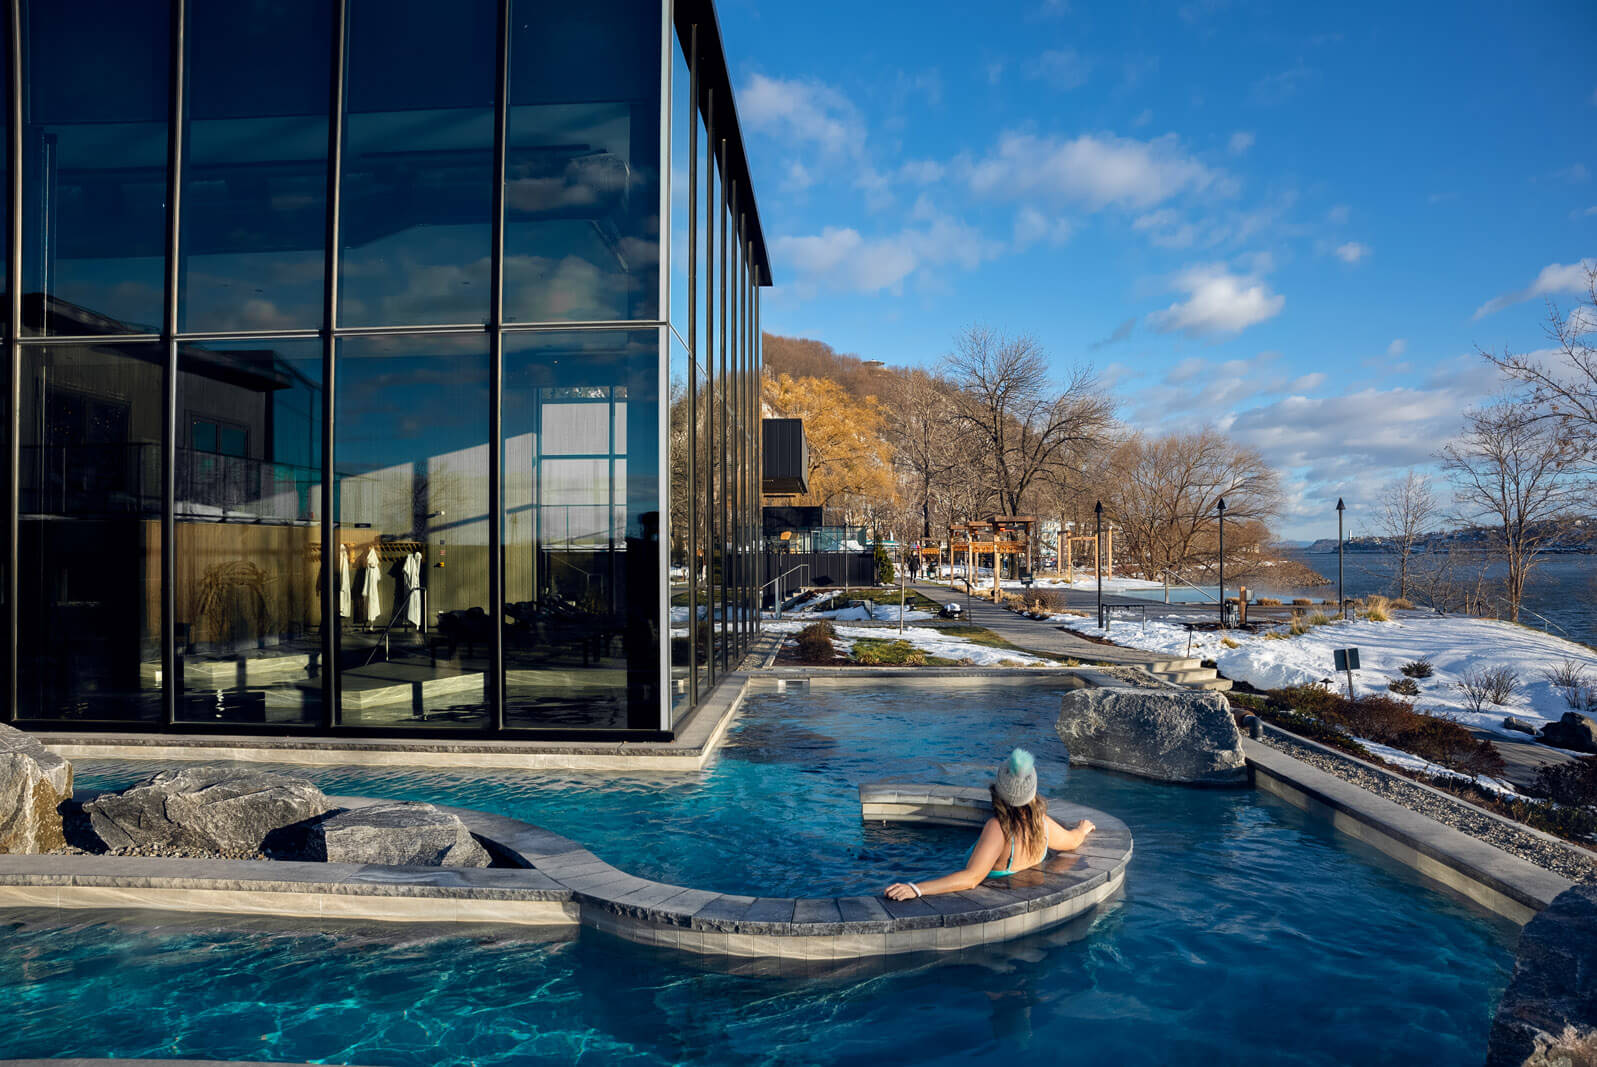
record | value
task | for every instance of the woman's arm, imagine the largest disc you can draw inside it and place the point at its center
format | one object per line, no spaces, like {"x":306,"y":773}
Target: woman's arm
{"x":1062,"y":840}
{"x":980,"y":865}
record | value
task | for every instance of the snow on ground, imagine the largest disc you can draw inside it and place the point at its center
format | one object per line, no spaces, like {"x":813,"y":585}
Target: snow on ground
{"x":1453,"y":644}
{"x":1084,"y":580}
{"x":933,"y":642}
{"x":867,"y":612}
{"x":1410,"y":762}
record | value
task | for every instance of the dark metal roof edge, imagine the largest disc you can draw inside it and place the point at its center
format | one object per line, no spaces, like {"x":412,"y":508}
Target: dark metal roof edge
{"x":713,"y":74}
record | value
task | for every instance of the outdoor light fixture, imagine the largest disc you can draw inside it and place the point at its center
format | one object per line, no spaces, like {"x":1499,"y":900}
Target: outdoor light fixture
{"x":1220,"y":507}
{"x":1341,"y":598}
{"x":1097,"y":562}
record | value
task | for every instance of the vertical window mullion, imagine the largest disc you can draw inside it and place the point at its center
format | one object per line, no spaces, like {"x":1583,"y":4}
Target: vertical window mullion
{"x":171,"y":670}
{"x":331,"y":619}
{"x":710,"y":187}
{"x":693,"y":368}
{"x":13,"y":330}
{"x":496,"y":381}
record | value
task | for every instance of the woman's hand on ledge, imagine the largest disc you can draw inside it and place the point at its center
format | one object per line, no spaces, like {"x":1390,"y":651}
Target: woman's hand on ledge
{"x":901,"y":891}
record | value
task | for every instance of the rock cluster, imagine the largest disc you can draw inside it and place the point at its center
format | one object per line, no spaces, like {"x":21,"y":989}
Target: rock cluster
{"x":403,"y":833}
{"x":1574,"y":731}
{"x":34,"y":783}
{"x":1165,"y":734}
{"x":205,"y":809}
{"x":1548,"y":1015}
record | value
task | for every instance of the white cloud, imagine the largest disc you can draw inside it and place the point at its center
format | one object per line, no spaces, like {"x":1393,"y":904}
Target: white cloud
{"x":1574,"y":174}
{"x":1306,"y":382}
{"x":1033,"y":227}
{"x":1240,"y":142}
{"x":1337,"y":215}
{"x":921,"y":171}
{"x":802,"y":111}
{"x":1554,"y":278}
{"x":1144,"y":117}
{"x":1063,"y":68}
{"x":1352,"y":252}
{"x":1218,"y":302}
{"x":1397,"y":347}
{"x":843,"y":258}
{"x":1095,"y":170}
{"x":1166,"y":229}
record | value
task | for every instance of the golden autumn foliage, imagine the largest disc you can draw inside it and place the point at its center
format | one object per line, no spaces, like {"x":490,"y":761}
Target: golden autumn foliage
{"x":851,"y":461}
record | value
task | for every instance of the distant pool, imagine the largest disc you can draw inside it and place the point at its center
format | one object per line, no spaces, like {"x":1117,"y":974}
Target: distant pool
{"x":1247,"y":933}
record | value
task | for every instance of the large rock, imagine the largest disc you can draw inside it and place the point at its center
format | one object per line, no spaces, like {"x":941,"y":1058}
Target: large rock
{"x":1170,"y":735}
{"x":404,"y":833}
{"x":33,"y":784}
{"x":205,"y":809}
{"x":1574,"y":731}
{"x":1548,"y":1015}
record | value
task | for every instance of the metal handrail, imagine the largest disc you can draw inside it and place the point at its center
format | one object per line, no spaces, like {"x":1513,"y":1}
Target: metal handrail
{"x":1546,"y":622}
{"x":1168,"y":574}
{"x":777,"y":581}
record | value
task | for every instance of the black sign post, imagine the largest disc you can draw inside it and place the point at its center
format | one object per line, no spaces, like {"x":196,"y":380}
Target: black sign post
{"x":1347,"y":659}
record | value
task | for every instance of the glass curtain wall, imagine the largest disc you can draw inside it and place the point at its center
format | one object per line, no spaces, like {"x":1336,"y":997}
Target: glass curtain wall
{"x":285,"y":379}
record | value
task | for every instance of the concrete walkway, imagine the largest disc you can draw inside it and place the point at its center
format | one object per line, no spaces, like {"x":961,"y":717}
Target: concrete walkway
{"x":1036,"y":636}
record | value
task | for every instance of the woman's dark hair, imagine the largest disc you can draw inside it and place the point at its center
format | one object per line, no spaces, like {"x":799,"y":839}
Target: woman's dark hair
{"x":1026,"y":824}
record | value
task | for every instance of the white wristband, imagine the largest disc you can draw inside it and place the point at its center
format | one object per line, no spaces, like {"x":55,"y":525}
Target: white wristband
{"x":916,"y":888}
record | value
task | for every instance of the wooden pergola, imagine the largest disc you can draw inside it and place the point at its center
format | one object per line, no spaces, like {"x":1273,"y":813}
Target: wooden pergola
{"x":999,"y":538}
{"x":1065,"y":561}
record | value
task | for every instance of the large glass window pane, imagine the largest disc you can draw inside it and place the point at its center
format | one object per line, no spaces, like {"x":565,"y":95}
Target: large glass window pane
{"x":410,"y":455}
{"x":255,"y":166}
{"x":682,"y":118}
{"x":90,"y":549}
{"x":701,"y":568}
{"x":94,"y":165}
{"x":582,"y":195}
{"x":417,"y":185}
{"x":582,"y":529}
{"x":681,"y":496}
{"x":248,"y":533}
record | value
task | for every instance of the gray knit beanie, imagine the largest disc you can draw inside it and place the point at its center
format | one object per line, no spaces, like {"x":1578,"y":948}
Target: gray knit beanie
{"x":1017,"y":779}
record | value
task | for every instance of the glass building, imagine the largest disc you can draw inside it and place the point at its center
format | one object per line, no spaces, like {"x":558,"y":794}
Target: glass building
{"x":376,"y":366}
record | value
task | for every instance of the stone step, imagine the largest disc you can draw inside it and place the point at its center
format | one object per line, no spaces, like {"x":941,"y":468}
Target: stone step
{"x":1182,"y":677}
{"x":1180,"y":663}
{"x":1218,"y":685}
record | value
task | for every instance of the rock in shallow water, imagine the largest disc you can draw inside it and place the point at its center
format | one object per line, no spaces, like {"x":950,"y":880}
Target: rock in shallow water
{"x":1548,"y":1015}
{"x":208,"y":809}
{"x":404,"y":833}
{"x":1169,"y":735}
{"x":33,"y":784}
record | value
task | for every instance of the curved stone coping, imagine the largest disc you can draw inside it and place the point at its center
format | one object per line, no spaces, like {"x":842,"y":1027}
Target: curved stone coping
{"x":310,"y":889}
{"x":553,"y":880}
{"x":1066,"y":886}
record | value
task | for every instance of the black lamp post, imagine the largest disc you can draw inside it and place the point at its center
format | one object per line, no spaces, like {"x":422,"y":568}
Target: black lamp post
{"x":1220,"y":507}
{"x":1341,"y":598}
{"x":1097,"y":562}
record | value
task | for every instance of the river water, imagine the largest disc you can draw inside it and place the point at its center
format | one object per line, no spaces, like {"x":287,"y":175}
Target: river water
{"x":1561,"y":596}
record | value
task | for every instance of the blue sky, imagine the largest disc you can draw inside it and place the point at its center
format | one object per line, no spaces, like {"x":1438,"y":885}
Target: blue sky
{"x":1293,"y":221}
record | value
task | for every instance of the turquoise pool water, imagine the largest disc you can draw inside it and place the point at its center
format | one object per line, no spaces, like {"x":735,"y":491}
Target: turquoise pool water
{"x":1246,"y":934}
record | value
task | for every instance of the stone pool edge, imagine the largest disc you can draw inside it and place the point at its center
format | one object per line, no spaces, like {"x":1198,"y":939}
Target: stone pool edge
{"x":554,"y":882}
{"x":1496,"y":880}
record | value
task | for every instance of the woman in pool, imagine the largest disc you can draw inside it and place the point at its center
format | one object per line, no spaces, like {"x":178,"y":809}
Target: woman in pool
{"x":1017,"y":837}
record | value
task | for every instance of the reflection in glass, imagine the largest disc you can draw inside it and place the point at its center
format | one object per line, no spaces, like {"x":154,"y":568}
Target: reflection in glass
{"x":94,"y":165}
{"x":255,"y":166}
{"x":702,"y":570}
{"x":582,"y":192}
{"x":410,"y":457}
{"x":682,"y":618}
{"x":683,"y":115}
{"x":89,"y":555}
{"x":417,"y":185}
{"x":582,"y":529}
{"x":247,"y":532}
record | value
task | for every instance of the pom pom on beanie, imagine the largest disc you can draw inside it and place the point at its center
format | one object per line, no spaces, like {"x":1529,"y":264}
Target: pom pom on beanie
{"x":1017,"y":779}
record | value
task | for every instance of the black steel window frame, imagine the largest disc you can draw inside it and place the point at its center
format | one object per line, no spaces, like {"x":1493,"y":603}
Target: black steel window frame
{"x":697,"y":32}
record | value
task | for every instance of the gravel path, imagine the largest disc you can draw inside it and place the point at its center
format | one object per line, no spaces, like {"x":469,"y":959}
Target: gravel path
{"x":1567,"y":860}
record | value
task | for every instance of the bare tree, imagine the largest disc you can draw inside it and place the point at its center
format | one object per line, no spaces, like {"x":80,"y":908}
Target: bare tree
{"x":1563,"y":388}
{"x":927,"y":440}
{"x":1022,"y":423}
{"x":1511,"y":471}
{"x":1408,"y":509}
{"x":1165,"y":491}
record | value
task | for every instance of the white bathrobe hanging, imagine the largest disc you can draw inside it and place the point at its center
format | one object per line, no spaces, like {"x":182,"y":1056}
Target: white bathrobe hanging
{"x":345,"y":608}
{"x":413,"y":589}
{"x":368,"y":588}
